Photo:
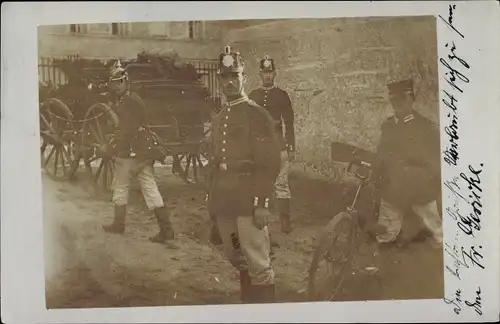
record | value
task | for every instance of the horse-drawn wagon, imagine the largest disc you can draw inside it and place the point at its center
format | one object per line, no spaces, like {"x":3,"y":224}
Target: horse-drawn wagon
{"x":77,"y":119}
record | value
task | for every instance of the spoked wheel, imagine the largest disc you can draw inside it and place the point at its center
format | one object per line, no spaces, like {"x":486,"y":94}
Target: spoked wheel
{"x":97,"y":133}
{"x":57,"y":139}
{"x":190,"y":166}
{"x":332,"y":258}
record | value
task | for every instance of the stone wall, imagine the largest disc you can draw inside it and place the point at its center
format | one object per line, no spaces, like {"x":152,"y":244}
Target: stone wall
{"x":346,"y":63}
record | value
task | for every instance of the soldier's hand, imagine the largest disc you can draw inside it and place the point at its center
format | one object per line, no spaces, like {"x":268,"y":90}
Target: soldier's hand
{"x":349,"y":180}
{"x":261,"y":217}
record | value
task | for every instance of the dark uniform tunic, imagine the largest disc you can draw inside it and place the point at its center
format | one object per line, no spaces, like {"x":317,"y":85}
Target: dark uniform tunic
{"x":277,"y":102}
{"x":244,"y":159}
{"x":410,"y":154}
{"x":132,"y":136}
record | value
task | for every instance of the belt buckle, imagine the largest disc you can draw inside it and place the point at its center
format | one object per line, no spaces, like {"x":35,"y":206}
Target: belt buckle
{"x":223,"y":166}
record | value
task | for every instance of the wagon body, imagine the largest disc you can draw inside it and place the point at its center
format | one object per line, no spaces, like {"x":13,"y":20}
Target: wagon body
{"x":177,"y":111}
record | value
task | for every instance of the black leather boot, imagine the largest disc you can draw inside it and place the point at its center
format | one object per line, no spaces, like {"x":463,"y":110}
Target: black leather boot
{"x":284,"y":210}
{"x":245,"y":287}
{"x":166,"y":232}
{"x":262,"y":294}
{"x":215,"y":238}
{"x":118,"y":225}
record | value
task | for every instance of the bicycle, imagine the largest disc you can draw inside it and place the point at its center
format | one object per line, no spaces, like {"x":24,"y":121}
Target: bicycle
{"x":342,"y":236}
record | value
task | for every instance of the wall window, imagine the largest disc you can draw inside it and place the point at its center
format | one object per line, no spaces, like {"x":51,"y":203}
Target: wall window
{"x":120,"y":29}
{"x":77,"y":28}
{"x":196,"y":29}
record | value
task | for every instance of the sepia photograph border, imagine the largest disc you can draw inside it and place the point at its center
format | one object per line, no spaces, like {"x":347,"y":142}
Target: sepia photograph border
{"x":22,"y":257}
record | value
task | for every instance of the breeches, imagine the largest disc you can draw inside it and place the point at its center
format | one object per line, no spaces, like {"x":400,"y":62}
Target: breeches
{"x":126,"y":171}
{"x":281,"y":185}
{"x":391,"y":218}
{"x":247,"y":247}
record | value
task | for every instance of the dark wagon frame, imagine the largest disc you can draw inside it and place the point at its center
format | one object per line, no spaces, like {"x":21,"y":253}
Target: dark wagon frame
{"x":77,"y":123}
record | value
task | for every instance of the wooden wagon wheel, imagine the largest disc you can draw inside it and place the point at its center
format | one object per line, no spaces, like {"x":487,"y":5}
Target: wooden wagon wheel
{"x":57,"y":139}
{"x":97,"y":133}
{"x":191,"y":165}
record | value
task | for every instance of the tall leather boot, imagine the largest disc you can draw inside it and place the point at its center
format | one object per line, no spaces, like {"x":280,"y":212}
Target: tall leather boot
{"x":262,"y":294}
{"x":245,"y":287}
{"x":118,"y":225}
{"x":166,"y":232}
{"x":284,"y":210}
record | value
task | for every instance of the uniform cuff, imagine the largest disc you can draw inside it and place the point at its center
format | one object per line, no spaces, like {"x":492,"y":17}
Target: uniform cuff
{"x":261,"y":202}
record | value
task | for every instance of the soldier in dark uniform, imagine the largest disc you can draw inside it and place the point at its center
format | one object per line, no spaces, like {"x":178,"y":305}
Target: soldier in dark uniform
{"x":244,"y":163}
{"x":409,"y":153}
{"x":135,"y":149}
{"x":278,"y":104}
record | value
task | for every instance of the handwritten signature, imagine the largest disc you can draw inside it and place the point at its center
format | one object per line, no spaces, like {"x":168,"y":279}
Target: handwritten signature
{"x":472,"y":222}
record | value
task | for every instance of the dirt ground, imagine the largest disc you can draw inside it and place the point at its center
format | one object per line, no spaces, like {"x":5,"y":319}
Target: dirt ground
{"x":86,"y":267}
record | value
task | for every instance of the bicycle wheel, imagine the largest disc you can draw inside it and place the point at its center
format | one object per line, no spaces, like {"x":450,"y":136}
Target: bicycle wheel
{"x":334,"y":250}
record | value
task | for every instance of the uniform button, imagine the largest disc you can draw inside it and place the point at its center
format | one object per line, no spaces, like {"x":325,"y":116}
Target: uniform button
{"x":224,"y":142}
{"x":228,"y":109}
{"x":223,"y":150}
{"x":224,"y":133}
{"x":223,"y":157}
{"x":227,"y":117}
{"x":264,"y":104}
{"x":225,"y":125}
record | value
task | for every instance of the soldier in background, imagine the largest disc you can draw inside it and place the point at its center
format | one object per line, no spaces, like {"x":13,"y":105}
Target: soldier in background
{"x":135,"y":149}
{"x":244,"y":163}
{"x":277,"y":102}
{"x":410,"y":168}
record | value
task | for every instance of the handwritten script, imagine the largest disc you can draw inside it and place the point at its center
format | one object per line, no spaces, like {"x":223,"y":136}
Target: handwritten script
{"x":455,"y":76}
{"x":466,"y":190}
{"x":463,"y":256}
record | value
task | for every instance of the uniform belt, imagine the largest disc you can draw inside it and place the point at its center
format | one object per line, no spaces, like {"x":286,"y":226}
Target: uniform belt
{"x":236,"y":167}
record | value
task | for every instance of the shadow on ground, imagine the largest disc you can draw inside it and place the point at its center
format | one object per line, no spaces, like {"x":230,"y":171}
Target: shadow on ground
{"x":193,"y":273}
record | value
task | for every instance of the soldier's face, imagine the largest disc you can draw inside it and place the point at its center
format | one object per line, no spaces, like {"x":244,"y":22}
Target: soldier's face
{"x":267,"y":78}
{"x":119,"y":86}
{"x":232,"y":83}
{"x":402,"y":104}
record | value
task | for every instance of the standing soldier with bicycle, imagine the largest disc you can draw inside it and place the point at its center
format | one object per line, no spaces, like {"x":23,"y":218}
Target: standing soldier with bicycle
{"x":244,"y":163}
{"x":278,"y":104}
{"x":410,"y":167}
{"x":135,"y":149}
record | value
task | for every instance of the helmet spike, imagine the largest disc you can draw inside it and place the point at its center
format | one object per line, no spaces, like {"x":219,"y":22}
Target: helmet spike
{"x":227,"y":49}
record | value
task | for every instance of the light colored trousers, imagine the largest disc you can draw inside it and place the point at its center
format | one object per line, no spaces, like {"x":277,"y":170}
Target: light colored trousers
{"x":126,"y":170}
{"x":254,"y":249}
{"x":282,"y":189}
{"x":391,"y":218}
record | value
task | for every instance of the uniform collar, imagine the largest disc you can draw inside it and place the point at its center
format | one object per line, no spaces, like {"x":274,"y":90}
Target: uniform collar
{"x":268,"y":88}
{"x":405,"y":120}
{"x":235,"y":102}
